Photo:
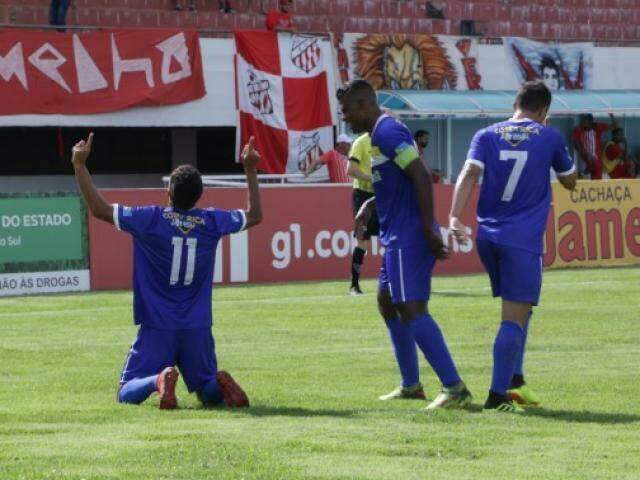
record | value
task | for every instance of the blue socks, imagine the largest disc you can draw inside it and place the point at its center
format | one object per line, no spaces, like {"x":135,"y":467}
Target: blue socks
{"x":509,"y":344}
{"x":520,"y":362}
{"x":405,"y":350}
{"x":137,"y":390}
{"x":210,"y":393}
{"x":429,"y":338}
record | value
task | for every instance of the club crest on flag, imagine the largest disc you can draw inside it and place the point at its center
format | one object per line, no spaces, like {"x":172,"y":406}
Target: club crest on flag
{"x":259,"y":96}
{"x":305,"y":52}
{"x":308,"y":149}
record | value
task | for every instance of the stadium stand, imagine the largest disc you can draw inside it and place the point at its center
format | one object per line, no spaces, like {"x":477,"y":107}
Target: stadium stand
{"x":569,"y":20}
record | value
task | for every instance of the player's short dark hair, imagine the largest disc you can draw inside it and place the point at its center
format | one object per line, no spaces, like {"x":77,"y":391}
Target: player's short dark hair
{"x":548,"y":62}
{"x":533,"y":96}
{"x":185,"y":187}
{"x":419,"y":133}
{"x":616,"y":131}
{"x":359,"y":89}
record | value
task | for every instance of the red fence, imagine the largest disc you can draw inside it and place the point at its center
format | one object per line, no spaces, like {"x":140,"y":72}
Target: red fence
{"x":306,"y":235}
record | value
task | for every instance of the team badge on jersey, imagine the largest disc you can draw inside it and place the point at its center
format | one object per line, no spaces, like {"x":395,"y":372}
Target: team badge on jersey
{"x":184,"y":223}
{"x":516,"y":134}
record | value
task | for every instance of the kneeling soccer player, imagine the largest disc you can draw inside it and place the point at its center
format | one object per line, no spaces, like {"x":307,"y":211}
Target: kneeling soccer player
{"x":174,"y":253}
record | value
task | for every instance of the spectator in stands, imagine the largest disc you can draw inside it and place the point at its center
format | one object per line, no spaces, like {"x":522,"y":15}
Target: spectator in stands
{"x":225,"y":6}
{"x":434,"y":10}
{"x":421,"y":138}
{"x":615,"y":160}
{"x":182,"y":5}
{"x":336,"y":161}
{"x":587,"y":140}
{"x":58,"y":13}
{"x":280,"y":19}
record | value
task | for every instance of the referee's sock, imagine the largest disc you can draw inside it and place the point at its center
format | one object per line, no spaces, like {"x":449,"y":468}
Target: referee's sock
{"x":356,"y":265}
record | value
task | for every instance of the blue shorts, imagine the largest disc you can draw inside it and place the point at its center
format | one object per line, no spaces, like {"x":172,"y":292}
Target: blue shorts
{"x":406,"y":273}
{"x":515,"y":274}
{"x":192,"y":351}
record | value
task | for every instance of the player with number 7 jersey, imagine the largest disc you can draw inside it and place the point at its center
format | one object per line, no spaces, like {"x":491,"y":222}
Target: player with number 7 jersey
{"x":514,"y":158}
{"x":174,"y":253}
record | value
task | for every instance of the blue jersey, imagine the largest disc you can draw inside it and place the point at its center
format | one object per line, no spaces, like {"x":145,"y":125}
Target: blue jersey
{"x":393,"y":149}
{"x":517,"y":156}
{"x":173,"y":262}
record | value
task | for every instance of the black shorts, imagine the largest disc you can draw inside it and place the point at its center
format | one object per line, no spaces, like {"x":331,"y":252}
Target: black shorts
{"x":373,"y":227}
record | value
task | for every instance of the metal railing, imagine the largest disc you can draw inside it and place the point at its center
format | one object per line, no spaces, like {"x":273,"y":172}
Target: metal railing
{"x":286,"y":180}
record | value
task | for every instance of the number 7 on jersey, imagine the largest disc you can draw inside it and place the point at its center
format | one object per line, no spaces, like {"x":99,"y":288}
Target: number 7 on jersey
{"x":521,"y":159}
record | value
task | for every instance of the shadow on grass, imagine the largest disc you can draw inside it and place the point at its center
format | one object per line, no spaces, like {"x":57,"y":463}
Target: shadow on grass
{"x":284,"y":411}
{"x":449,"y":293}
{"x":584,"y":416}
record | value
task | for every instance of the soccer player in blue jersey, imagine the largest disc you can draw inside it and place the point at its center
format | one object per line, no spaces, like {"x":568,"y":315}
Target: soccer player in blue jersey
{"x":514,"y":158}
{"x":411,"y":237}
{"x":174,"y":251}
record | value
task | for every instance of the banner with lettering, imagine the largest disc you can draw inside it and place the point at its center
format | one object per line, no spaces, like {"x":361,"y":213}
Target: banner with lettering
{"x":409,"y":61}
{"x":95,"y":72}
{"x":597,"y":224}
{"x":43,"y":244}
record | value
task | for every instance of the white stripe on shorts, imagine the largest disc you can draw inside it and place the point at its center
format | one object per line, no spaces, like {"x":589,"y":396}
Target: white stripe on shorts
{"x":401,"y":275}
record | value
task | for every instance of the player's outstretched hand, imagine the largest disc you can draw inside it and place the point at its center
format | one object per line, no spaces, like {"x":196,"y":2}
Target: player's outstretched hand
{"x":250,"y":156}
{"x":437,"y":246}
{"x":81,"y":151}
{"x":458,"y":230}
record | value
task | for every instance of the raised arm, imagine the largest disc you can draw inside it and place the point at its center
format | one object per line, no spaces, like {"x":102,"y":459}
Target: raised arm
{"x":250,"y":160}
{"x":423,"y":186}
{"x":464,"y":186}
{"x":98,"y":207}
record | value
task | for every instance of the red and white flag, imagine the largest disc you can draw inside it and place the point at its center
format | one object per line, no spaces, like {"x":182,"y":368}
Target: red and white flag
{"x":283,"y":97}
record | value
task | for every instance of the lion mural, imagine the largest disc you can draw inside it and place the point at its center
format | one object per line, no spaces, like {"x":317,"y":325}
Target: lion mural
{"x":413,"y":62}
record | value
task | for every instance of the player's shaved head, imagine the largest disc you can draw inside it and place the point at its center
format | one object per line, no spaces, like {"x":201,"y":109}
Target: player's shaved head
{"x":533,"y":97}
{"x":359,"y":105}
{"x":185,"y":187}
{"x":358,"y":90}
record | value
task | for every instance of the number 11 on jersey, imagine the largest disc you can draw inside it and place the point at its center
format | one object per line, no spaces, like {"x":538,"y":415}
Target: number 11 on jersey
{"x":177,"y":258}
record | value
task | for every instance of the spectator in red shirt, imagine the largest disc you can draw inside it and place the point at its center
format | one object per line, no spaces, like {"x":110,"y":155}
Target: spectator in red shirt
{"x":615,"y":160}
{"x":336,"y":161}
{"x":280,"y":19}
{"x":587,"y":140}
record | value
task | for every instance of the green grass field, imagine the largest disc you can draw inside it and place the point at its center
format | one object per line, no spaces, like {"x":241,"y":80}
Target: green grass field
{"x":313,"y":362}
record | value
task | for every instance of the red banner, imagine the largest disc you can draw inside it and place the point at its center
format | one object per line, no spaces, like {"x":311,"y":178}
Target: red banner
{"x":306,"y":235}
{"x":72,"y":73}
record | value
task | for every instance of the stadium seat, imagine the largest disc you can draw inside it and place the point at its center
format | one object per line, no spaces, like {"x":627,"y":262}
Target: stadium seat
{"x":599,"y":20}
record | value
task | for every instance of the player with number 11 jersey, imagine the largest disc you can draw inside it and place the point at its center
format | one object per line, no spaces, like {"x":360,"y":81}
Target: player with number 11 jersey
{"x":174,"y":253}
